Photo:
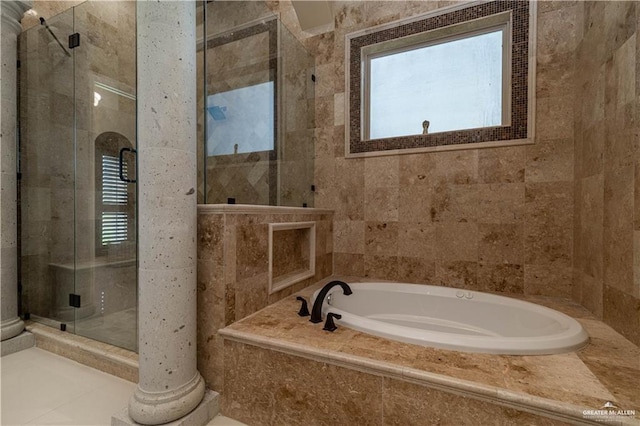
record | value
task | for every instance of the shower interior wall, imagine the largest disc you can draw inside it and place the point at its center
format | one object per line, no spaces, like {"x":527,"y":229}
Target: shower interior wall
{"x":245,"y":47}
{"x":62,"y":117}
{"x":557,"y":218}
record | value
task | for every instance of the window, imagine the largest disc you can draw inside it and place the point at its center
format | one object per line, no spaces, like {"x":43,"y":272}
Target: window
{"x":114,"y":229}
{"x":115,"y":198}
{"x":228,"y":114}
{"x":440,"y":86}
{"x":452,"y":78}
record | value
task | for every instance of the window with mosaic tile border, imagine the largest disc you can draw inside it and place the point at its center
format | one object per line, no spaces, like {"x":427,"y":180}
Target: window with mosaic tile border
{"x":520,"y":129}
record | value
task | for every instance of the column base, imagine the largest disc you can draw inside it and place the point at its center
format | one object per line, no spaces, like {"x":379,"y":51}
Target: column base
{"x":155,"y":408}
{"x":18,"y":343}
{"x":11,"y":328}
{"x":208,"y":408}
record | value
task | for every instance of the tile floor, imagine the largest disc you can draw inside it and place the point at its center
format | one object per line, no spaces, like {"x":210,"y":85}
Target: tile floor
{"x":41,"y":388}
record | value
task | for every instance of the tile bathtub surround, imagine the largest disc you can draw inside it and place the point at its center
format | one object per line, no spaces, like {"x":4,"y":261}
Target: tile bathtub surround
{"x":485,"y":219}
{"x":557,"y":218}
{"x":607,"y":166}
{"x":606,"y":370}
{"x":233,"y":270}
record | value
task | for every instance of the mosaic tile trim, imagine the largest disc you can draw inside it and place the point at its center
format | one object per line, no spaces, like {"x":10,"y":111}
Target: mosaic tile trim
{"x":519,"y":80}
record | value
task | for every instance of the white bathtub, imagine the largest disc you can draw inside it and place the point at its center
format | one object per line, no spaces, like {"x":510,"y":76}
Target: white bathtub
{"x":449,"y":318}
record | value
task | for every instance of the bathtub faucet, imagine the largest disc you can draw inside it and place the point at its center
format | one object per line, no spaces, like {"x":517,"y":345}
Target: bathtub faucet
{"x":316,"y":312}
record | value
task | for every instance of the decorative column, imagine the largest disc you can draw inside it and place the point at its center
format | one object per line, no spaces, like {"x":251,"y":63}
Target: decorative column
{"x":11,"y":12}
{"x":170,"y":385}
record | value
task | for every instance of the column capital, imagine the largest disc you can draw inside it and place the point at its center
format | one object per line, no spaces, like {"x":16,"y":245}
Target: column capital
{"x":12,"y":12}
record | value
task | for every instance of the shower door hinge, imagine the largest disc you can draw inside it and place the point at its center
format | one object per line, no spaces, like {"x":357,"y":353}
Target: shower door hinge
{"x":74,"y":40}
{"x":74,"y":300}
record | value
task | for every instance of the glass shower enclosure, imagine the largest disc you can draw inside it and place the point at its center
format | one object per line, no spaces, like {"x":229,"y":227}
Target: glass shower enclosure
{"x":256,"y":89}
{"x":77,"y":192}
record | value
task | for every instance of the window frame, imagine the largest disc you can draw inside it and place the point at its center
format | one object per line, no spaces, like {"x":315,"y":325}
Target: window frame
{"x":443,"y":25}
{"x":429,"y":39}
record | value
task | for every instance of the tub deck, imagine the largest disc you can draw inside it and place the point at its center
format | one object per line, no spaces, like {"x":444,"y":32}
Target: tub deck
{"x":557,"y":387}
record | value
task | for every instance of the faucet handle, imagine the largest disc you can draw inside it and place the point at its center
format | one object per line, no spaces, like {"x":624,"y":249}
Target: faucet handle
{"x":304,"y":309}
{"x":329,"y":325}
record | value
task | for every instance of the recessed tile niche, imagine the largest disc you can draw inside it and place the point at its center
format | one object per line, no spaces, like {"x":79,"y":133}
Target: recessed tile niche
{"x":292,"y":254}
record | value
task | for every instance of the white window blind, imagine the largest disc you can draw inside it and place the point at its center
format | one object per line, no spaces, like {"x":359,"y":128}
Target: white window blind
{"x":114,"y":196}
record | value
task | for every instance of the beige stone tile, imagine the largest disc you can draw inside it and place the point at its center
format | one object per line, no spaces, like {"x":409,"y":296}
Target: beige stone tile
{"x":382,"y":172}
{"x":554,"y":118}
{"x":349,"y":236}
{"x":548,"y":223}
{"x":547,"y":280}
{"x":370,"y":346}
{"x":415,"y":203}
{"x":556,"y":75}
{"x":550,"y":160}
{"x":591,"y":292}
{"x":636,"y":262}
{"x":324,"y":173}
{"x":348,"y":14}
{"x":338,"y":141}
{"x":416,"y":239}
{"x":380,"y":12}
{"x":324,"y":109}
{"x":324,"y":143}
{"x":412,"y":404}
{"x":456,"y":241}
{"x":508,"y":278}
{"x":266,"y":387}
{"x":622,"y":311}
{"x":417,"y":169}
{"x":349,"y":204}
{"x":589,"y":228}
{"x":416,"y":270}
{"x":457,"y":274}
{"x":500,"y":243}
{"x":547,"y":376}
{"x":501,"y":203}
{"x":618,"y":227}
{"x":381,"y":267}
{"x":251,"y":295}
{"x":349,"y":264}
{"x":501,"y":165}
{"x":381,"y":204}
{"x":457,"y":167}
{"x":381,"y":238}
{"x":252,"y":242}
{"x":454,"y":203}
{"x":338,"y":109}
{"x":608,"y":347}
{"x":558,"y":32}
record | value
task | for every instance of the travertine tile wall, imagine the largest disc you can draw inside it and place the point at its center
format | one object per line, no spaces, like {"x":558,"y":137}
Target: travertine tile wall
{"x":266,"y":387}
{"x":490,"y":219}
{"x":607,"y":168}
{"x":233,"y":271}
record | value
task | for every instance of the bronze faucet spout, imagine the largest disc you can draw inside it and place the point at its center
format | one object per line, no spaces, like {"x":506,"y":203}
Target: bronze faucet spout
{"x":316,"y":312}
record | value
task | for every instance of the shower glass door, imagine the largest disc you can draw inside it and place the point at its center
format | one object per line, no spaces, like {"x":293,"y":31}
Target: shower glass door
{"x":87,"y":276}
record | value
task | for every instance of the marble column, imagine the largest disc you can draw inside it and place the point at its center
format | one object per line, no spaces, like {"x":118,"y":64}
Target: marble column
{"x":170,"y":385}
{"x":11,"y":12}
